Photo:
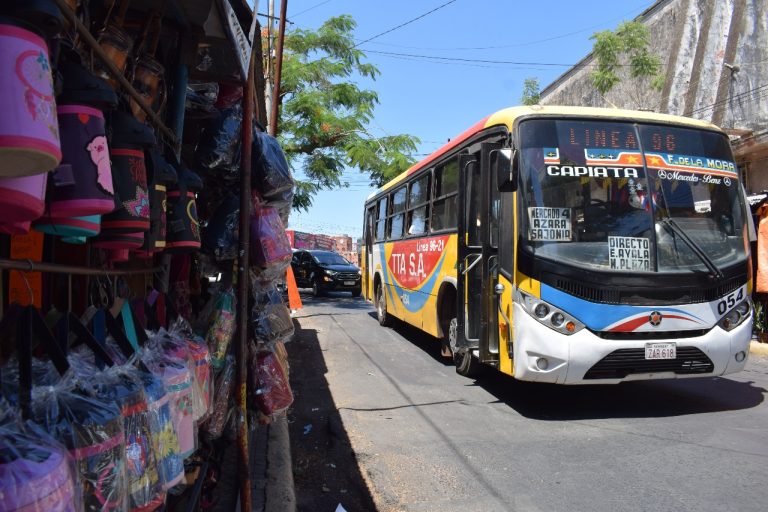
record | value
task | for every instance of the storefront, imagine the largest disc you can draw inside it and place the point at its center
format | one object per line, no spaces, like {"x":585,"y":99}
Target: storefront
{"x":143,"y":230}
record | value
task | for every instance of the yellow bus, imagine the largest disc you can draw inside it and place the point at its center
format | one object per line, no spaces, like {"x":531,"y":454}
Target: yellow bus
{"x":570,"y":245}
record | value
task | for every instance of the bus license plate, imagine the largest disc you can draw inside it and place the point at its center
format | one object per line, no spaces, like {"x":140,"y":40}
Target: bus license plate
{"x":349,"y":283}
{"x":660,"y":351}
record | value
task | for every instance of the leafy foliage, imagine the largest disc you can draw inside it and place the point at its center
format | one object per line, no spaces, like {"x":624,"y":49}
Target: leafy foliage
{"x":531,"y":93}
{"x":627,"y":46}
{"x":324,"y":114}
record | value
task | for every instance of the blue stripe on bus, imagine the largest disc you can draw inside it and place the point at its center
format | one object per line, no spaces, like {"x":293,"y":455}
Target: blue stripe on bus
{"x":385,"y":270}
{"x":599,"y":316}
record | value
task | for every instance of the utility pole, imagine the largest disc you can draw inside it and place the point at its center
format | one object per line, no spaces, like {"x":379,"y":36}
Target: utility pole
{"x":278,"y":70}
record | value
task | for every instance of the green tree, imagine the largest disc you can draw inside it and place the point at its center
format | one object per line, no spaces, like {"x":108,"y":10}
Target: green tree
{"x":324,"y":114}
{"x":623,"y":54}
{"x":531,"y":92}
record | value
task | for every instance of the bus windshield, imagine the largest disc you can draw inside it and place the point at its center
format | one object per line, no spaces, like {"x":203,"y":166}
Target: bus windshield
{"x":630,"y":197}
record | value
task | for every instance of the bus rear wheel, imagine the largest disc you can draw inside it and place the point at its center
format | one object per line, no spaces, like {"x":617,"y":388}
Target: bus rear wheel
{"x":466,"y":364}
{"x":381,"y":307}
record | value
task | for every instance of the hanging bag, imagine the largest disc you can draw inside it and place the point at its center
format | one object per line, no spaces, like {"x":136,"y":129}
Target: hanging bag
{"x":29,"y":134}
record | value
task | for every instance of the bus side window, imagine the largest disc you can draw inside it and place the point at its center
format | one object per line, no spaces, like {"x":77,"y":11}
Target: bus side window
{"x":381,"y":219}
{"x":444,"y":207}
{"x":418,"y":206}
{"x":397,"y":218}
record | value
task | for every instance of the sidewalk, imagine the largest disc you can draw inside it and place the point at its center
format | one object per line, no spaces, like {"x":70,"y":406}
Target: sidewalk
{"x":272,"y":471}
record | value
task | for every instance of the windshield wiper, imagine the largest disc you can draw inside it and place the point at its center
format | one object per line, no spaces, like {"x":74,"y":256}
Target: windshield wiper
{"x":675,"y":228}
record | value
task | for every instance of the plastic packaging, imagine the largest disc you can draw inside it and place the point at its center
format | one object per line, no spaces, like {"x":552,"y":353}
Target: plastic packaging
{"x":271,"y":174}
{"x":35,"y":471}
{"x":92,"y":431}
{"x":270,"y":247}
{"x":225,"y":382}
{"x":219,"y":146}
{"x":178,"y":381}
{"x":270,"y":380}
{"x":222,"y":328}
{"x":201,"y":97}
{"x":170,"y":466}
{"x":124,"y":386}
{"x":220,"y":236}
{"x":270,"y":317}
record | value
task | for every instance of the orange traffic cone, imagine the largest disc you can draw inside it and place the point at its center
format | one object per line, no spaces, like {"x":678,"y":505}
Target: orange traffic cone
{"x":294,"y":300}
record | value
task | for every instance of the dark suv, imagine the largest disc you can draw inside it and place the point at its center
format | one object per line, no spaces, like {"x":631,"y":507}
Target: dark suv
{"x":325,"y":271}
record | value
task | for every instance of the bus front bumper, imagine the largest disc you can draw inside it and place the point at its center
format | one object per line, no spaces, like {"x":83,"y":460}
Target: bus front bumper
{"x":544,"y":355}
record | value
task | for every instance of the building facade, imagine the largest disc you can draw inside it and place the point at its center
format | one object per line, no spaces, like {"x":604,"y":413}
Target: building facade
{"x":714,"y":56}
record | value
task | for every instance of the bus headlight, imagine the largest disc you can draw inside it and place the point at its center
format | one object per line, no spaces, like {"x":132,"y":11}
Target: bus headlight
{"x":736,"y":316}
{"x":548,"y":315}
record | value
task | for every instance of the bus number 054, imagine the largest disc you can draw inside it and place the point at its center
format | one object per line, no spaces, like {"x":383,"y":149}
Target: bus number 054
{"x":730,"y":301}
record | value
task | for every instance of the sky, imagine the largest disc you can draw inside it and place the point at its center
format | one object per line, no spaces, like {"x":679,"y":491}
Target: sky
{"x":444,"y":70}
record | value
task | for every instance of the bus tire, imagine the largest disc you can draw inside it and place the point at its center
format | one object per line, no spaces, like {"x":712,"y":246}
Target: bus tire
{"x":466,"y":364}
{"x":381,"y":307}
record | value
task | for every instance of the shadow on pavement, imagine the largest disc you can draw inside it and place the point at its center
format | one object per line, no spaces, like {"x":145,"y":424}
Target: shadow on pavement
{"x":325,"y":468}
{"x":660,"y":398}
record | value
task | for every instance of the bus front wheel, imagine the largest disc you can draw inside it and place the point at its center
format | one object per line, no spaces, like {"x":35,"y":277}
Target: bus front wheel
{"x":466,"y":364}
{"x":381,"y":308}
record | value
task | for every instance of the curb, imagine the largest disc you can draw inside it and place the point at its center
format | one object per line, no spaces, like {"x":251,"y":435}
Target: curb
{"x":758,"y":349}
{"x":280,"y":492}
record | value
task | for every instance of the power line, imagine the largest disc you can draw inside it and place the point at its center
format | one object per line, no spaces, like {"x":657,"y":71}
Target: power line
{"x":404,"y":24}
{"x":310,"y":8}
{"x":730,"y":98}
{"x":517,"y":45}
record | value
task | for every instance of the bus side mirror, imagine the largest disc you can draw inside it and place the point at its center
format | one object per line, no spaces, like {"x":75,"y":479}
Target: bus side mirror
{"x":506,"y":170}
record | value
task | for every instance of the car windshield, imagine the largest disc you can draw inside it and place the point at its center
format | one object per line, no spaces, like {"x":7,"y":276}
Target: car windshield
{"x":630,"y":196}
{"x":329,"y":258}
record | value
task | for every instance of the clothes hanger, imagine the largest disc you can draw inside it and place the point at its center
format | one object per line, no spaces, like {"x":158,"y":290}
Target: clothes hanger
{"x":70,"y":324}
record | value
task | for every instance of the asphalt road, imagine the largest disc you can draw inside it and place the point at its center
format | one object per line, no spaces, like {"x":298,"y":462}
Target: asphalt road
{"x":427,"y":439}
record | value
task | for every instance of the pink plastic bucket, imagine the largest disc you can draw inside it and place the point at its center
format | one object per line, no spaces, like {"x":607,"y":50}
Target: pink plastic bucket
{"x":29,"y":133}
{"x":22,"y":199}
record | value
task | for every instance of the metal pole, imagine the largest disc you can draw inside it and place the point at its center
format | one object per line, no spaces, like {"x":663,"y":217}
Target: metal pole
{"x":278,"y":70}
{"x":33,"y":266}
{"x":178,"y":100}
{"x":242,"y":287}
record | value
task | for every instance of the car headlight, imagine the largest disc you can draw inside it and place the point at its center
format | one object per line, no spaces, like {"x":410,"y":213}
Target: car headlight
{"x":359,"y":272}
{"x":331,"y":272}
{"x":547,"y":314}
{"x":736,"y":316}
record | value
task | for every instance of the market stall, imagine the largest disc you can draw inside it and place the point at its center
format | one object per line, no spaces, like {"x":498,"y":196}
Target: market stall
{"x":143,"y":213}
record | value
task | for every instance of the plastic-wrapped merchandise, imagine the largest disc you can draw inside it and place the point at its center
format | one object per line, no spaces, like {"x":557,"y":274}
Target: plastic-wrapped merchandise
{"x":219,"y":146}
{"x":35,"y":471}
{"x":270,"y":317}
{"x":220,"y":236}
{"x":222,"y":328}
{"x":124,"y":386}
{"x":270,"y":380}
{"x":178,"y":382}
{"x":186,"y":347}
{"x":270,"y":247}
{"x":225,"y":382}
{"x":271,"y":174}
{"x":201,"y":97}
{"x":170,"y":466}
{"x":201,"y":358}
{"x":92,"y":430}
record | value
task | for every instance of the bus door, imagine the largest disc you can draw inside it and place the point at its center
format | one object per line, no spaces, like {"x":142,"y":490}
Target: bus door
{"x":368,"y":253}
{"x":477,"y":272}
